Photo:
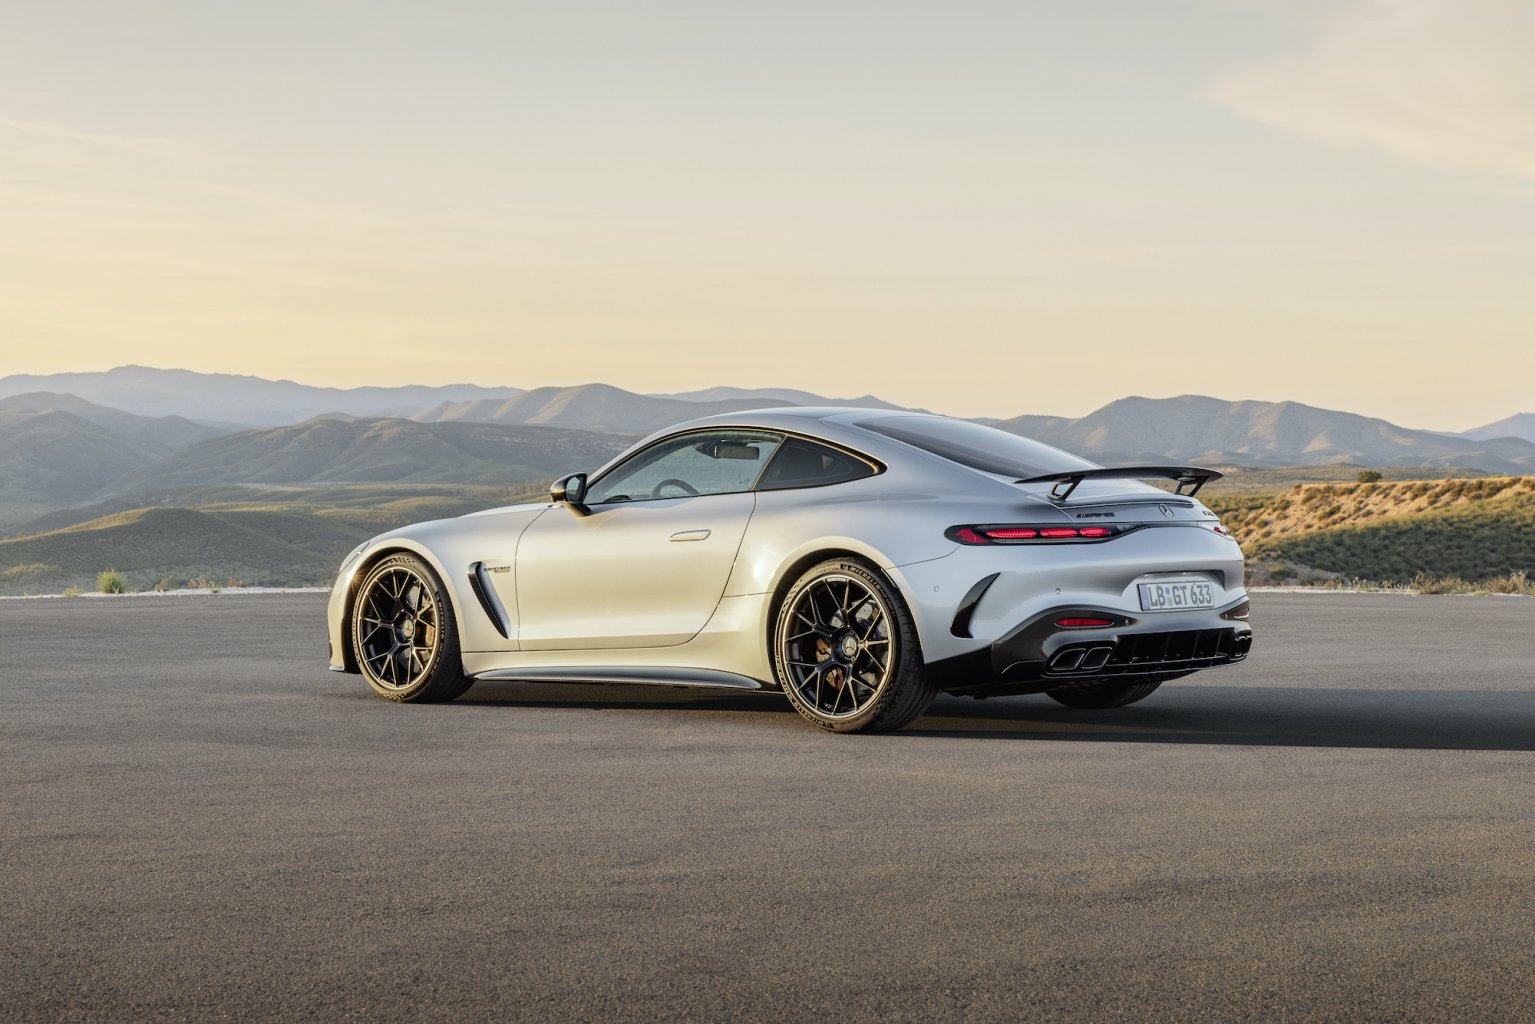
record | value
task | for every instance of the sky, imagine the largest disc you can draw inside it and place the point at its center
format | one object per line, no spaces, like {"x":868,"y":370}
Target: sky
{"x":982,"y":208}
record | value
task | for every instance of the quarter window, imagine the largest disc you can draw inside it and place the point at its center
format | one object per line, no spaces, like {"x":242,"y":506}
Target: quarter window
{"x":801,"y":463}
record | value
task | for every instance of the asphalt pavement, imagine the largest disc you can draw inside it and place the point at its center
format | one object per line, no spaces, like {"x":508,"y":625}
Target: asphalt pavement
{"x":200,"y":823}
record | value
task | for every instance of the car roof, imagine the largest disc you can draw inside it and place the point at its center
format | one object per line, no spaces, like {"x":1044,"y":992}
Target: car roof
{"x":790,"y":416}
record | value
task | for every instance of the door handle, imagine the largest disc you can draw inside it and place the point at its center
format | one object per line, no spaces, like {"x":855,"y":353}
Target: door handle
{"x":691,"y":535}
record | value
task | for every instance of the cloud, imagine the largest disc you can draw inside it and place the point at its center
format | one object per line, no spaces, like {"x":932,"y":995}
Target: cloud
{"x":1447,"y":83}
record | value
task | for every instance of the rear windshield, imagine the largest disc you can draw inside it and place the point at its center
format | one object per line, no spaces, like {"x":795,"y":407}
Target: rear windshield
{"x":971,"y":444}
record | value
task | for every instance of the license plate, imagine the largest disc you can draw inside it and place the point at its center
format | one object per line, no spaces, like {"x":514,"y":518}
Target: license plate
{"x":1175,"y":597}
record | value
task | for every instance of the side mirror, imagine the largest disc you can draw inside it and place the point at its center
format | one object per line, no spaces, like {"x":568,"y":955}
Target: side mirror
{"x":571,"y":491}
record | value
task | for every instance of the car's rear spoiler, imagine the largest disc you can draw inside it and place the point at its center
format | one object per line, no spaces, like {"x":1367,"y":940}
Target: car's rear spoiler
{"x":1067,"y":482}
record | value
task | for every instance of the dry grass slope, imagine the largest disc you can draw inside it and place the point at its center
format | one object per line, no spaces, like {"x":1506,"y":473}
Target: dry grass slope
{"x":1396,"y":532}
{"x":263,"y":543}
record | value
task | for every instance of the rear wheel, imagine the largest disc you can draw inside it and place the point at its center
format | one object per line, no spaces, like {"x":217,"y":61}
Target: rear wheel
{"x":846,"y":651}
{"x":1104,"y":695}
{"x":403,"y":633}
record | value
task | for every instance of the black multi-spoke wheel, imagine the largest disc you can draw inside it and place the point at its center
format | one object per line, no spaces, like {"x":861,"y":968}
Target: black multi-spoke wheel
{"x":846,"y":652}
{"x":403,"y":634}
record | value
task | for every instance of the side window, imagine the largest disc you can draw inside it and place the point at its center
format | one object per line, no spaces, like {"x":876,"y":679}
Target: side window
{"x":802,"y":463}
{"x":702,"y":462}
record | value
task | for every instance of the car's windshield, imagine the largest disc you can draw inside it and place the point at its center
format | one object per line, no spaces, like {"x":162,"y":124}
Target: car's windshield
{"x":979,"y":447}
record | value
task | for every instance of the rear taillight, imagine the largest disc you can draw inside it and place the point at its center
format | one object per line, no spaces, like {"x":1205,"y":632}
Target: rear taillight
{"x":1008,"y":533}
{"x":1084,"y":623}
{"x":1014,"y":534}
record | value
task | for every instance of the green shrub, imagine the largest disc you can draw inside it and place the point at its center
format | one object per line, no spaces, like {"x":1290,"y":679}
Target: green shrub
{"x":111,"y":582}
{"x":1369,"y":476}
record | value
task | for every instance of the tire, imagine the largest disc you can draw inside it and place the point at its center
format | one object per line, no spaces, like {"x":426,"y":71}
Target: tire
{"x":828,"y":637}
{"x":1104,"y":695}
{"x":403,"y":634}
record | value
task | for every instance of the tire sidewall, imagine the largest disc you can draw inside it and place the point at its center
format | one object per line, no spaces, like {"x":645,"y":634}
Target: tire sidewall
{"x":445,"y":625}
{"x":902,"y":642}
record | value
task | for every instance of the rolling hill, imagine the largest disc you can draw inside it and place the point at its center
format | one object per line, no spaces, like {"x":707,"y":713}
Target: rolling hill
{"x":380,"y":450}
{"x":598,"y":407}
{"x":238,"y":400}
{"x":59,"y":450}
{"x":273,"y":547}
{"x":278,"y":536}
{"x":153,"y":433}
{"x":57,"y":457}
{"x":1389,"y":532}
{"x":1197,"y":429}
{"x":771,"y":396}
{"x":1521,"y":426}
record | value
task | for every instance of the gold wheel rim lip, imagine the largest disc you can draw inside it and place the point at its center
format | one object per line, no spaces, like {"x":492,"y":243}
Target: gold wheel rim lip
{"x":783,"y":642}
{"x":429,"y":652}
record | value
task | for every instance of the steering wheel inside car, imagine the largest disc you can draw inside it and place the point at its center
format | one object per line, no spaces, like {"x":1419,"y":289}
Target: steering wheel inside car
{"x":686,"y":487}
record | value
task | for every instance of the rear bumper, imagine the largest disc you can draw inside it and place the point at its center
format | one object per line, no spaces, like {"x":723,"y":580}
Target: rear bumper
{"x":1039,"y":655}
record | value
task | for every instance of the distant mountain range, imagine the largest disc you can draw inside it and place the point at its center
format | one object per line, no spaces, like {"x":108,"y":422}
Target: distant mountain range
{"x":1521,"y":426}
{"x":157,"y":432}
{"x":1195,"y":429}
{"x":59,"y":450}
{"x":788,"y":396}
{"x":241,"y":401}
{"x":381,"y":450}
{"x":588,"y":407}
{"x":224,"y":398}
{"x":173,"y":475}
{"x":606,"y":408}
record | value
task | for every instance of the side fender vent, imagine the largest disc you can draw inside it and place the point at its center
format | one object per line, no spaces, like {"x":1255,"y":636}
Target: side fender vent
{"x":486,"y":595}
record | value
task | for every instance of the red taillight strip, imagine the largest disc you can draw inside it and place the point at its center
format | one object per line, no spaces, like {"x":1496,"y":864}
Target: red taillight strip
{"x":1017,"y":534}
{"x":1010,"y":533}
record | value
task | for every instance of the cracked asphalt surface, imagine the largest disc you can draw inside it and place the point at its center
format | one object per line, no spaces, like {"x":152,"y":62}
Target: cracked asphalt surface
{"x":201,"y":823}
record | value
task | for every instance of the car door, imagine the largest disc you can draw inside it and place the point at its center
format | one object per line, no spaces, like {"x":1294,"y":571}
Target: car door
{"x":646,"y":561}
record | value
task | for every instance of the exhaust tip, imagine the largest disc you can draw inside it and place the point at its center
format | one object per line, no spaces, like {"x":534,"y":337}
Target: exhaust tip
{"x":1096,"y":659}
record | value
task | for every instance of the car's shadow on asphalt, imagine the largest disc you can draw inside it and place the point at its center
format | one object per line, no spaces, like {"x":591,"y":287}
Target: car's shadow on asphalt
{"x":1260,"y":716}
{"x":1285,"y":716}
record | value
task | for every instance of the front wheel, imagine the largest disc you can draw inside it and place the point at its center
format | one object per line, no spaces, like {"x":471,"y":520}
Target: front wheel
{"x":1104,"y":695}
{"x":403,"y":634}
{"x":846,"y":652}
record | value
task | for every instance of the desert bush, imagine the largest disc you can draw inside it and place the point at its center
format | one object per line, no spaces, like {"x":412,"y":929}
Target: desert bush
{"x":111,"y":582}
{"x":1423,"y":583}
{"x":168,"y":583}
{"x":1513,"y":583}
{"x":71,"y":591}
{"x":1369,"y":476}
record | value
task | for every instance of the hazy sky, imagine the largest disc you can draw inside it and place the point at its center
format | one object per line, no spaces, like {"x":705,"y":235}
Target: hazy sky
{"x":982,"y":208}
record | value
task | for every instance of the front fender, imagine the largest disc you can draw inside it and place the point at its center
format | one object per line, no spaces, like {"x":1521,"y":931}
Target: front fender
{"x":339,"y":607}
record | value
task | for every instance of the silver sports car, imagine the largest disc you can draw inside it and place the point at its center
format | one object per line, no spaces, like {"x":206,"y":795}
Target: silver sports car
{"x":861,"y":561}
